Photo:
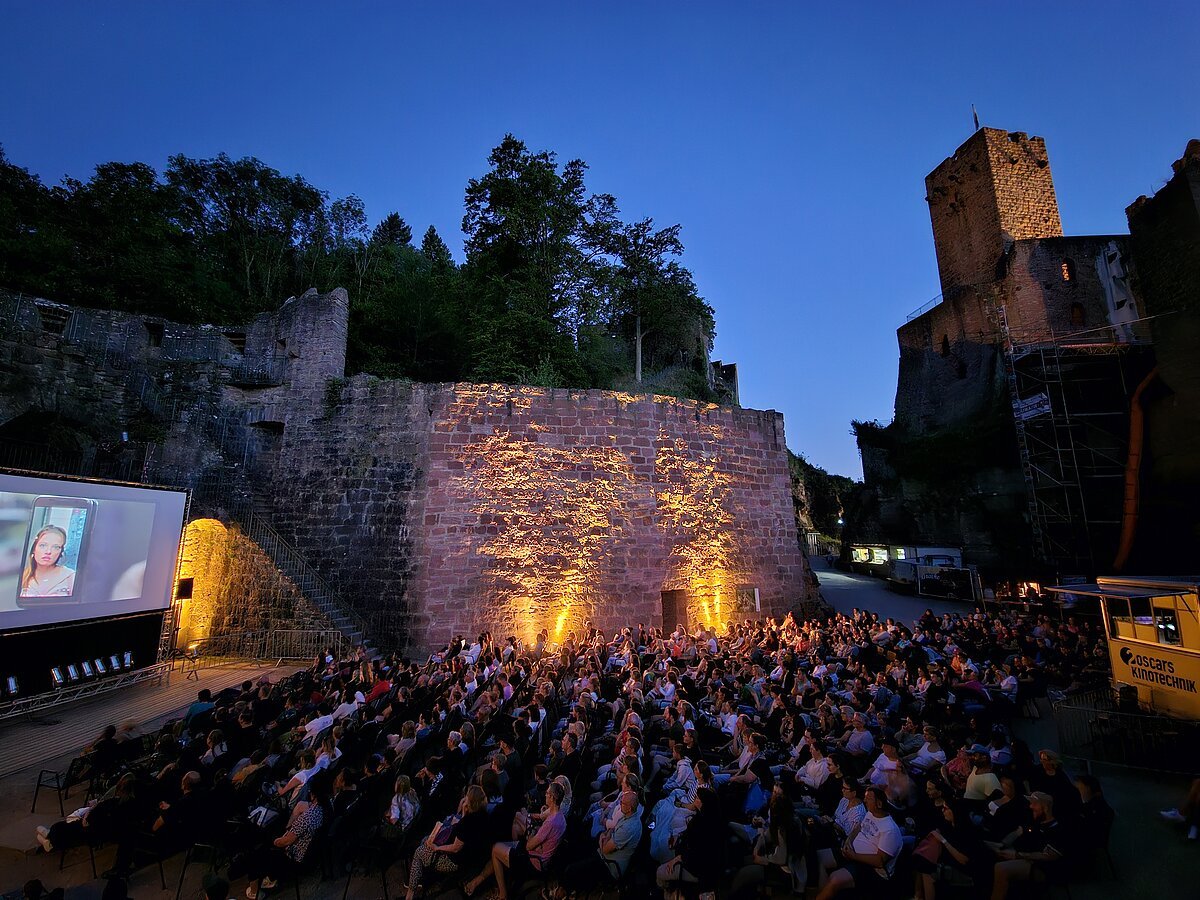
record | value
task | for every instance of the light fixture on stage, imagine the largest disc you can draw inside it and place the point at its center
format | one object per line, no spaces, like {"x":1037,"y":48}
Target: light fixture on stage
{"x":56,"y":675}
{"x":100,"y":667}
{"x":127,"y":659}
{"x":12,"y":685}
{"x":72,"y":672}
{"x":88,"y":671}
{"x":114,"y":662}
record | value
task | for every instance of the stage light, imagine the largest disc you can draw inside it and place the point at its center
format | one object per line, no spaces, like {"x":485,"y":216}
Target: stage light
{"x":72,"y":672}
{"x":56,"y":675}
{"x":100,"y":667}
{"x":127,"y":659}
{"x":114,"y":663}
{"x":13,"y":687}
{"x":88,"y":671}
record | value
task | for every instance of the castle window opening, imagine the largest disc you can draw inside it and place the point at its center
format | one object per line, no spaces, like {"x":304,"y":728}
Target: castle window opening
{"x":945,"y":346}
{"x":238,"y":339}
{"x":154,"y":333}
{"x":1078,"y":315}
{"x":1067,"y":268}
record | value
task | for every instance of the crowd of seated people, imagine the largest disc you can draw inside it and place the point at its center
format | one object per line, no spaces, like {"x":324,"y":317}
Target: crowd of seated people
{"x":845,"y":752}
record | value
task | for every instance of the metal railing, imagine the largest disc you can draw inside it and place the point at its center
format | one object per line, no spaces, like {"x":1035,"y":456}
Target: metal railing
{"x":1092,"y":728}
{"x":923,"y":308}
{"x":83,"y":690}
{"x":273,"y":644}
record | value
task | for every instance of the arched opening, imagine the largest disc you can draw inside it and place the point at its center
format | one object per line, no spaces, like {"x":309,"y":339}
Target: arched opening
{"x":1067,"y":270}
{"x":945,"y":346}
{"x":1078,"y":315}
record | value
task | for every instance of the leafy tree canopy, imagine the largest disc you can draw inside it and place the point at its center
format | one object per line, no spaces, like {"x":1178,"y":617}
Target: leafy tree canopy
{"x":555,"y":289}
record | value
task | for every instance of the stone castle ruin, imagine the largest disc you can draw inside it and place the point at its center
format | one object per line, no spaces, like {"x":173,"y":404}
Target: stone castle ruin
{"x":412,"y":511}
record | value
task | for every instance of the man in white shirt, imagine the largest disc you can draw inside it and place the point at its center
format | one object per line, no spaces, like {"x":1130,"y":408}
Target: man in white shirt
{"x":870,"y":851}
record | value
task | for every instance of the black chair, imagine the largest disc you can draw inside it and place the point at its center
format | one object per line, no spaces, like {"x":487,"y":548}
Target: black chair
{"x":200,"y":848}
{"x":91,"y":846}
{"x":50,"y":778}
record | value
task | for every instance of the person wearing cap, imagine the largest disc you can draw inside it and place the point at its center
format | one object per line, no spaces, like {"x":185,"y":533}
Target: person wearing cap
{"x":1039,"y":849}
{"x":982,"y":783}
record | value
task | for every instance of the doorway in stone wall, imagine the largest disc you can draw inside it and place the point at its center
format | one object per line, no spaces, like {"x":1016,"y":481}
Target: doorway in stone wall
{"x":675,"y":610}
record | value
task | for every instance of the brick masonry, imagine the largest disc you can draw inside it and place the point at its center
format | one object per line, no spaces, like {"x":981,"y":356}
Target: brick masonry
{"x":431,"y":509}
{"x":999,"y":243}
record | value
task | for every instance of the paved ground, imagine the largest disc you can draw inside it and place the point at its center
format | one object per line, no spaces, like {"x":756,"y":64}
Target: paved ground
{"x":844,"y":591}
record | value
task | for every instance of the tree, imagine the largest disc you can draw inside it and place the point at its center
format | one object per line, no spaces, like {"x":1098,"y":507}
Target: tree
{"x":249,"y":220}
{"x":434,"y":249}
{"x":535,"y":260}
{"x":392,"y":231}
{"x":654,"y":295}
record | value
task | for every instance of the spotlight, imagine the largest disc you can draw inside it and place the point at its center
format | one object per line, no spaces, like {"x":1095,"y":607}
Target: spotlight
{"x":12,"y":685}
{"x":100,"y":667}
{"x":56,"y":675}
{"x":72,"y":672}
{"x":127,"y":659}
{"x":88,"y":671}
{"x":114,"y":663}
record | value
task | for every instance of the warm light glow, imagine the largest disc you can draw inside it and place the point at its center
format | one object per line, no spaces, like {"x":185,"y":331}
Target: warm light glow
{"x":203,"y":559}
{"x":552,"y":514}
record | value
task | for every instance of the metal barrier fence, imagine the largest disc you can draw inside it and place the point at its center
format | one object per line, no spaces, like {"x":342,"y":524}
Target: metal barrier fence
{"x":1100,"y":732}
{"x":273,"y":644}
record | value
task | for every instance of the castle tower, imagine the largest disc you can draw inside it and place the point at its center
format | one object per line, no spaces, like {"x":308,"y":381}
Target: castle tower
{"x":994,"y":190}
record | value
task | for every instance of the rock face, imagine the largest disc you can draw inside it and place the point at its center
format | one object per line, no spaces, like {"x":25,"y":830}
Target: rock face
{"x":435,"y":509}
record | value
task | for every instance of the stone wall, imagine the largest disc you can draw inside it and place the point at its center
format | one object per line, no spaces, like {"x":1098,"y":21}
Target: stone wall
{"x":430,"y":509}
{"x":1165,"y":231}
{"x":235,"y":587}
{"x":551,"y":508}
{"x":994,"y":190}
{"x":440,"y":509}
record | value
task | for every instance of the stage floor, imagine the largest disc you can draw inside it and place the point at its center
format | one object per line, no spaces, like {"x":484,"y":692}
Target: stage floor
{"x":38,"y":740}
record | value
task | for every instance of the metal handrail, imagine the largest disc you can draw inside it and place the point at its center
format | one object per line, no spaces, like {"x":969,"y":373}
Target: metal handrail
{"x":924,"y":308}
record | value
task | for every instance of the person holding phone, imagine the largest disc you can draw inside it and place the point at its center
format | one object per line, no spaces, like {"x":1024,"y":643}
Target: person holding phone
{"x":45,"y":575}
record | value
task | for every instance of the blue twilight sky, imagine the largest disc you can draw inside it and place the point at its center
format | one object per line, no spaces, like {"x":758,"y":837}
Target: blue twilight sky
{"x":790,"y":139}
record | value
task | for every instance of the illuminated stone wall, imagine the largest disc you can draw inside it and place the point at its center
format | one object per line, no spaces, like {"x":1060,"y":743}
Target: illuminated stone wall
{"x":437,"y":509}
{"x":235,"y":587}
{"x":551,"y":508}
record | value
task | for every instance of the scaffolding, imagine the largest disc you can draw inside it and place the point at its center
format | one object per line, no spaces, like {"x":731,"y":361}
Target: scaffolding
{"x":1070,"y":403}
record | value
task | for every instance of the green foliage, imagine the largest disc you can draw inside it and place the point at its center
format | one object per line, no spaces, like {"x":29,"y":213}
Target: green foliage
{"x":828,"y":496}
{"x":555,"y":289}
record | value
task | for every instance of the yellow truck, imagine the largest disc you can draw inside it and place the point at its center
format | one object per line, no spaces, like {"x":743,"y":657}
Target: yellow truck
{"x":1153,"y":627}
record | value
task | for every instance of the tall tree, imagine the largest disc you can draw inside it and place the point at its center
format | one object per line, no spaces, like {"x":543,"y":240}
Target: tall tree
{"x":535,"y":258}
{"x":250,"y":219}
{"x":655,"y":297}
{"x":392,"y":231}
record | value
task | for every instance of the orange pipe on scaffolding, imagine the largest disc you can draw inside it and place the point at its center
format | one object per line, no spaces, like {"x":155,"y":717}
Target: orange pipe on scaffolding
{"x":1133,"y":465}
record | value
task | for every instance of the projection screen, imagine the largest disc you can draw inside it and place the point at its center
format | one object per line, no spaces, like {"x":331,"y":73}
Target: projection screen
{"x":72,"y":550}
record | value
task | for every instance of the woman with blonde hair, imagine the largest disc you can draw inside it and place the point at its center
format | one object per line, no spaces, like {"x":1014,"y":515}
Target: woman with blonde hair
{"x":45,"y":575}
{"x":404,"y":808}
